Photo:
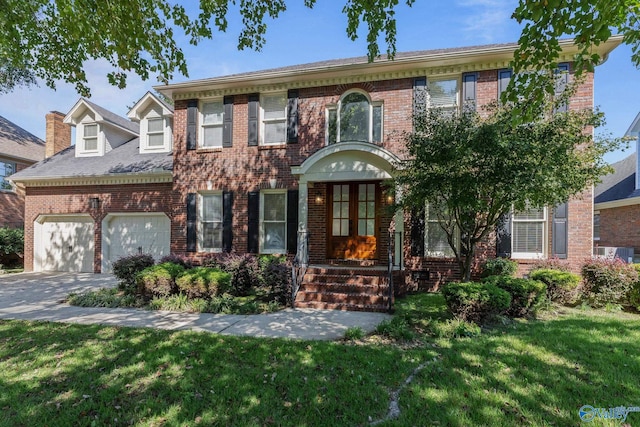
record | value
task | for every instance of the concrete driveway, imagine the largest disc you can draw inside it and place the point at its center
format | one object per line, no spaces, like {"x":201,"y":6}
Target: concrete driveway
{"x":40,"y":296}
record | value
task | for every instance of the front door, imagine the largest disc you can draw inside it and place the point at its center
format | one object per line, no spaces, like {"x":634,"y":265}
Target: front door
{"x":353,"y":223}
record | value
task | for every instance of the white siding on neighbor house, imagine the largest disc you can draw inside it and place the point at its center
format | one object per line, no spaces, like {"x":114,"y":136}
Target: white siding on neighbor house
{"x":64,"y":244}
{"x":128,"y":234}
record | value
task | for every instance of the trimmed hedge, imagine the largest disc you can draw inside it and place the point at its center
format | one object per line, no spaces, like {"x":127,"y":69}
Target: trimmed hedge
{"x":608,"y":281}
{"x":203,"y":282}
{"x":159,"y":280}
{"x":561,"y":285}
{"x":127,"y":268}
{"x":244,"y":270}
{"x":526,"y":295}
{"x":475,"y":302}
{"x":499,"y":267}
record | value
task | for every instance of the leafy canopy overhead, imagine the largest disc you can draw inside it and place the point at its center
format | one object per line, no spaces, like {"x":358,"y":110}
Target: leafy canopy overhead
{"x":53,"y":39}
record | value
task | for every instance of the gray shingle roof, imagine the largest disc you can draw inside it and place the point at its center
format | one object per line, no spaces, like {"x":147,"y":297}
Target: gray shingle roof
{"x":619,"y":185}
{"x":124,"y":159}
{"x":114,"y":118}
{"x":17,"y":142}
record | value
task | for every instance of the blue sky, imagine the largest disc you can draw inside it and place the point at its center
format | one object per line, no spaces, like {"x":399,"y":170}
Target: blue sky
{"x":301,"y":35}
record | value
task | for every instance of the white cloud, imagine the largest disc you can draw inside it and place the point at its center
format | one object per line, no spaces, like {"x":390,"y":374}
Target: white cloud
{"x":487,"y":20}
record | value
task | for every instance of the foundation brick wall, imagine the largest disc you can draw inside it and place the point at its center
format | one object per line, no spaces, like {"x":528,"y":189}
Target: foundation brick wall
{"x":127,"y":198}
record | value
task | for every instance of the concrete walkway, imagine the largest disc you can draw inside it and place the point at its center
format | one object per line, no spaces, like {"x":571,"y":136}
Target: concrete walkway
{"x":40,"y":296}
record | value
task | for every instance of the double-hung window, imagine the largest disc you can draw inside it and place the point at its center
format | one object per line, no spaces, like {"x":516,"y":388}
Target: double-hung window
{"x":529,"y":233}
{"x":274,"y":118}
{"x":273,"y":221}
{"x":6,"y":169}
{"x":90,"y":137}
{"x":211,"y":124}
{"x":596,"y":226}
{"x":443,"y":94}
{"x":354,"y":119}
{"x":155,"y":132}
{"x":210,"y":227}
{"x":436,"y":243}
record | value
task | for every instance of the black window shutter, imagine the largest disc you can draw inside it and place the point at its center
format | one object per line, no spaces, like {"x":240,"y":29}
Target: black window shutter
{"x":192,"y":124}
{"x":504,"y":77}
{"x":560,"y":231}
{"x":292,"y":221}
{"x":254,"y":113}
{"x":503,"y":236}
{"x":562,"y":80}
{"x":469,"y":82}
{"x":419,"y":95}
{"x":227,"y":220}
{"x":292,"y":117}
{"x":227,"y":122}
{"x":417,"y":232}
{"x":253,"y":227}
{"x":192,"y":221}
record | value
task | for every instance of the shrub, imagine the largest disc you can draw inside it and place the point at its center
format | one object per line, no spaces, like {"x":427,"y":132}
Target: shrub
{"x":11,"y":241}
{"x":499,"y":267}
{"x":159,"y":280}
{"x":177,"y":259}
{"x":551,"y":264}
{"x":608,"y":281}
{"x":127,"y":268}
{"x":475,"y":302}
{"x":242,"y":267}
{"x":276,"y":278}
{"x":561,"y":285}
{"x":634,"y":293}
{"x":526,"y":295}
{"x":203,"y":282}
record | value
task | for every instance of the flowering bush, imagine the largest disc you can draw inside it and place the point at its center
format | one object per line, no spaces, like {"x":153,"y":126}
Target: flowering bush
{"x":608,"y":281}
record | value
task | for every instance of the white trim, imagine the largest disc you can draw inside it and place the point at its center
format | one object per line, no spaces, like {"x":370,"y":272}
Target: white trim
{"x":202,"y":125}
{"x":200,"y":228}
{"x":263,"y":121}
{"x":337,"y":108}
{"x":545,"y":237}
{"x":262,"y":250}
{"x":129,"y":178}
{"x":143,"y":104}
{"x":618,"y":203}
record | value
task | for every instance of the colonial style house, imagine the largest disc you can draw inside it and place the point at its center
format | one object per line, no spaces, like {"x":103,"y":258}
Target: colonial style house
{"x":292,"y":160}
{"x":617,"y":205}
{"x":18,"y":150}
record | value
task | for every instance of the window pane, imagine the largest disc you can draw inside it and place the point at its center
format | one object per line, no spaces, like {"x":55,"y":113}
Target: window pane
{"x":274,"y":206}
{"x":212,"y":112}
{"x":91,"y":144}
{"x":528,"y":237}
{"x":336,"y":227}
{"x":362,"y":192}
{"x":344,"y":225}
{"x":155,"y":140}
{"x":333,"y":126}
{"x":212,"y":235}
{"x":529,"y":214}
{"x":275,"y":132}
{"x":90,"y":130}
{"x":362,"y":227}
{"x":344,"y":213}
{"x":154,"y":125}
{"x":371,"y":225}
{"x":212,"y":136}
{"x":354,"y":118}
{"x":274,"y":237}
{"x":212,"y":207}
{"x":596,"y":226}
{"x":442,"y":93}
{"x":377,"y":123}
{"x":436,"y":240}
{"x":273,"y":106}
{"x":371,"y":209}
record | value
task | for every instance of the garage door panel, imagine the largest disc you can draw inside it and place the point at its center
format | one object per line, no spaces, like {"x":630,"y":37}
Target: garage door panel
{"x":66,"y":245}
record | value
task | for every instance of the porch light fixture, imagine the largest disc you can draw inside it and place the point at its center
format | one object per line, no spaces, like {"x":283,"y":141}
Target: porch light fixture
{"x":94,"y":203}
{"x":318,"y":199}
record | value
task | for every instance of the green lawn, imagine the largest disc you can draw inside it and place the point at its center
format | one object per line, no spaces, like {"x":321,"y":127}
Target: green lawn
{"x":522,"y":373}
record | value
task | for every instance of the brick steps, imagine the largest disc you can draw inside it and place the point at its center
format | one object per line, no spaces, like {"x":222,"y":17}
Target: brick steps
{"x":339,"y":288}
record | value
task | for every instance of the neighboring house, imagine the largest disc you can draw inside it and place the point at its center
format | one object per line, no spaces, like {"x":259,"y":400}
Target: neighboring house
{"x":18,"y":150}
{"x":285,"y":161}
{"x":617,"y":205}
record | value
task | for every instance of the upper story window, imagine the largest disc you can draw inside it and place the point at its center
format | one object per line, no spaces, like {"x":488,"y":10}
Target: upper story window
{"x":90,"y":137}
{"x":155,"y":132}
{"x":443,"y":94}
{"x":6,"y":169}
{"x":274,"y":118}
{"x":529,"y":233}
{"x":212,"y":122}
{"x":355,"y":118}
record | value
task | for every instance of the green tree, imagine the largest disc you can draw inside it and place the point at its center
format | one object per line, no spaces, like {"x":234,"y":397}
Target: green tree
{"x":52,"y":39}
{"x":546,"y":22}
{"x":473,"y":169}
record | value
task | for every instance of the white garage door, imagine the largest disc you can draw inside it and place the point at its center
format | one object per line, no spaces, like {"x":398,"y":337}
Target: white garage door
{"x":134,"y":234}
{"x":65,"y":244}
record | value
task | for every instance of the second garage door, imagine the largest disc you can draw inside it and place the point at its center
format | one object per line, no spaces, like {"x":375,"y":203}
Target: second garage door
{"x":127,"y":234}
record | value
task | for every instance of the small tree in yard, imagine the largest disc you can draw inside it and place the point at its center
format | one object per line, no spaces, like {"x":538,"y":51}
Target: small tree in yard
{"x":474,"y":169}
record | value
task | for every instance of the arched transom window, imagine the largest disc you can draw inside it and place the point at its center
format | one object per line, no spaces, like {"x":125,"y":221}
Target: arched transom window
{"x":354,"y":118}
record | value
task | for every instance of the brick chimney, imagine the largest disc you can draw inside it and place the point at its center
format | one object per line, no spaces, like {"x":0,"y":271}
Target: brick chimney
{"x":58,"y":134}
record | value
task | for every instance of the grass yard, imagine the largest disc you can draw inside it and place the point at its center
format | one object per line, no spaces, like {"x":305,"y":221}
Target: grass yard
{"x":519,"y":373}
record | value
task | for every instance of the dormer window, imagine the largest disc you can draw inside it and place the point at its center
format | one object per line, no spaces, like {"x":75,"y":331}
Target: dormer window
{"x":355,"y":119}
{"x":155,"y":132}
{"x":90,"y":138}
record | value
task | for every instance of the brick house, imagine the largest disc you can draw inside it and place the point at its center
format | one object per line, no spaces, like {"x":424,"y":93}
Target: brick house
{"x":617,"y":205}
{"x":291,"y":160}
{"x":18,"y":150}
